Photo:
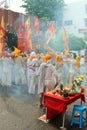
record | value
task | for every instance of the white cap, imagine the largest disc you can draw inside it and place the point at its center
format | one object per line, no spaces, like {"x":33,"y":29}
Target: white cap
{"x":32,"y":53}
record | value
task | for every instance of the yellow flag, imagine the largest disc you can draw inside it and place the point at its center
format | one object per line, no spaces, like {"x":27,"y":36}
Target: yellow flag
{"x":2,"y":23}
{"x":2,"y":33}
{"x":27,"y":22}
{"x":0,"y":47}
{"x":28,"y":35}
{"x":30,"y":44}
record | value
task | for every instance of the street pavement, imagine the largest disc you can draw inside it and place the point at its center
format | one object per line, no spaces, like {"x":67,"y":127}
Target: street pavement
{"x":20,"y":111}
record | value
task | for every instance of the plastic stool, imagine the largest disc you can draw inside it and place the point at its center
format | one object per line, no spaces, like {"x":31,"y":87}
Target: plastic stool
{"x":79,"y":119}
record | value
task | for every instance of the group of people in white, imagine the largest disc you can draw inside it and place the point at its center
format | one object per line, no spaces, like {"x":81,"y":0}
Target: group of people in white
{"x":35,"y":69}
{"x":12,"y":71}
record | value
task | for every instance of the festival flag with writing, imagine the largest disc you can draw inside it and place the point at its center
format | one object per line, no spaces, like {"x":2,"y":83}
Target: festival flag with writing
{"x":28,"y":35}
{"x":2,"y":35}
{"x":52,"y":29}
{"x":66,"y":42}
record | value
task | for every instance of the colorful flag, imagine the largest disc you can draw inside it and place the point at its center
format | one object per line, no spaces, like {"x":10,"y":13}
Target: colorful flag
{"x":52,"y":29}
{"x":27,"y":22}
{"x":2,"y":23}
{"x":2,"y":35}
{"x":66,"y":42}
{"x":28,"y":35}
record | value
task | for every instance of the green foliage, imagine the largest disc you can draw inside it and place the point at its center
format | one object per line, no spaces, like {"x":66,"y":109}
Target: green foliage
{"x":46,"y":10}
{"x":11,"y":39}
{"x":75,"y":43}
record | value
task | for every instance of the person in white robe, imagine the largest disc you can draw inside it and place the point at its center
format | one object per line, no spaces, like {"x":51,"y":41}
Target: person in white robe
{"x":83,"y":70}
{"x":59,"y":67}
{"x":69,"y":71}
{"x":6,"y":71}
{"x":46,"y":72}
{"x":19,"y":71}
{"x":0,"y":70}
{"x":32,"y":66}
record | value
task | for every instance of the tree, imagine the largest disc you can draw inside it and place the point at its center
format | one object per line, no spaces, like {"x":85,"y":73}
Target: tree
{"x":11,"y":38}
{"x":47,"y":10}
{"x":75,"y":43}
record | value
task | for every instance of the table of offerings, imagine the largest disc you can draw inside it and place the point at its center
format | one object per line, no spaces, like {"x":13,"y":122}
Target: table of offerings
{"x":56,"y":103}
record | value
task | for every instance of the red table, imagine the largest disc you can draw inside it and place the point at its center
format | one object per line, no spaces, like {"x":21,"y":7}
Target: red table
{"x":57,"y":104}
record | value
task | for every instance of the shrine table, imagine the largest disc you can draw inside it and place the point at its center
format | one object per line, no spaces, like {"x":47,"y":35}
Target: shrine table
{"x":56,"y":104}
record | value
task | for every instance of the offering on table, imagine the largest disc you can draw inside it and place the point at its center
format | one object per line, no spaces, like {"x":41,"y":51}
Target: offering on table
{"x":65,"y":93}
{"x":72,"y":92}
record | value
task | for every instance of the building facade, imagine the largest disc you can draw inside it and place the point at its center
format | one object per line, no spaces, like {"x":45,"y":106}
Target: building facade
{"x":75,"y":18}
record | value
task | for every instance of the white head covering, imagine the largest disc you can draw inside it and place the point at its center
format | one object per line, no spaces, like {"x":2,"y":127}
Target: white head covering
{"x":32,"y":53}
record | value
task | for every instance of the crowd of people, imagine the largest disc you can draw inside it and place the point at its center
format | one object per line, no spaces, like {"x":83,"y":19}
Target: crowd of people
{"x":45,"y":70}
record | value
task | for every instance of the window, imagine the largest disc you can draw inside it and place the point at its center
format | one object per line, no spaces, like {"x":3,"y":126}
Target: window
{"x":86,"y":9}
{"x":85,"y":21}
{"x":68,"y":22}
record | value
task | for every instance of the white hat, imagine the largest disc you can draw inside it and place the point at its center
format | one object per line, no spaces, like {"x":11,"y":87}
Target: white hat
{"x":32,"y":53}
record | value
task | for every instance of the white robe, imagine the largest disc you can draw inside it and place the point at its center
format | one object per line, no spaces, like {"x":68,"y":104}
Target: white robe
{"x":6,"y":71}
{"x":59,"y":68}
{"x":32,"y":67}
{"x":19,"y":71}
{"x":69,"y":73}
{"x":46,"y":74}
{"x":0,"y":70}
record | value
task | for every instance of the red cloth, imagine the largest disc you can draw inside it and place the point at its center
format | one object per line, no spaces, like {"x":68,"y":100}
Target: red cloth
{"x":58,"y":104}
